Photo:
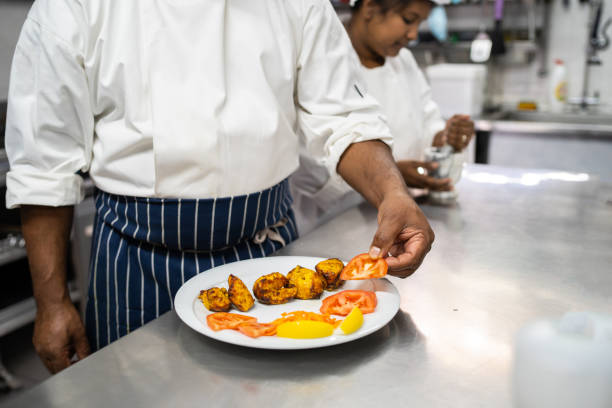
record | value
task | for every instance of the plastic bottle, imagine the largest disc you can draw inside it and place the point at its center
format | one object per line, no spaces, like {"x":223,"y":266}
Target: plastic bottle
{"x":564,"y":363}
{"x":558,"y":86}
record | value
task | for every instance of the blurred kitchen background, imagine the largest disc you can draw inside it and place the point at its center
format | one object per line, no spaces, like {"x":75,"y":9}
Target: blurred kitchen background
{"x":518,"y":122}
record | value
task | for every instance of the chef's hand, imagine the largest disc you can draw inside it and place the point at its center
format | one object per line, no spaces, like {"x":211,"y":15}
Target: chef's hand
{"x":58,"y":335}
{"x":58,"y":330}
{"x":410,"y":171}
{"x":404,"y":236}
{"x":459,"y":131}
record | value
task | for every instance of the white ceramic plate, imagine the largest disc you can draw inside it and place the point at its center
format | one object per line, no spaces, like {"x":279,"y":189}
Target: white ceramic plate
{"x":191,"y":310}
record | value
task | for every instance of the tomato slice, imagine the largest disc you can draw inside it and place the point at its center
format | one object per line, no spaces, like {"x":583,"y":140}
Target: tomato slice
{"x":343,"y":302}
{"x":253,"y":329}
{"x":223,"y":321}
{"x":364,"y":267}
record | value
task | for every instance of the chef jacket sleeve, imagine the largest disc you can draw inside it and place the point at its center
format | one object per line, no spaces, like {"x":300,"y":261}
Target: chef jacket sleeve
{"x":50,"y":122}
{"x":333,"y":108}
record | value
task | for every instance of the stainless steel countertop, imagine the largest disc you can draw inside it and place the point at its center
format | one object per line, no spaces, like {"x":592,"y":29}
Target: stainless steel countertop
{"x":518,"y":245}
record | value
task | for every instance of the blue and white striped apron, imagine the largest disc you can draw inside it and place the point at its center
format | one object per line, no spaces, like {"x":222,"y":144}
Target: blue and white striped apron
{"x":144,"y":249}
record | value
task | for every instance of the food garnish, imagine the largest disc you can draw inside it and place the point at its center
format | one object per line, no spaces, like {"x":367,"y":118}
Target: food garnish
{"x":364,"y":267}
{"x":343,"y":302}
{"x":352,"y":322}
{"x":224,"y":321}
{"x":254,"y":329}
{"x":299,"y":315}
{"x":304,"y":329}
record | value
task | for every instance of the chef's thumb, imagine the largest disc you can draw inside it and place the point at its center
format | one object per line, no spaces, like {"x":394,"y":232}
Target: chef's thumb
{"x":384,"y":237}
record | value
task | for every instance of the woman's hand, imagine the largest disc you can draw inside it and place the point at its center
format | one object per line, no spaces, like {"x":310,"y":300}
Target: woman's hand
{"x":459,"y":131}
{"x":415,"y":175}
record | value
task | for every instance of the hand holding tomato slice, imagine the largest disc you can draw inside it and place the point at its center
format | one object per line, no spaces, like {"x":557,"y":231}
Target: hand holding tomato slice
{"x":364,"y":267}
{"x":343,"y":302}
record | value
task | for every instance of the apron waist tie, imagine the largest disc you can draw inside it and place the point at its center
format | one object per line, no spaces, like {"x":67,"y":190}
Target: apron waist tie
{"x":270,"y":233}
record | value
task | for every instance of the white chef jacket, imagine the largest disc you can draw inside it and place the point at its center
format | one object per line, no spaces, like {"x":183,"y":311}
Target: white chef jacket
{"x":179,"y":98}
{"x":413,"y":117}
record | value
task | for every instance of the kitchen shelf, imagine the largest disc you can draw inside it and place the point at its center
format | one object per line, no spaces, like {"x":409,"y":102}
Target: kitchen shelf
{"x":9,"y":255}
{"x":23,"y":312}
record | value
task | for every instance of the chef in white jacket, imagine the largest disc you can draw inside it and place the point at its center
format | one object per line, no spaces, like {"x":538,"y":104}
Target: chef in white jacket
{"x":379,"y":31}
{"x":187,"y":116}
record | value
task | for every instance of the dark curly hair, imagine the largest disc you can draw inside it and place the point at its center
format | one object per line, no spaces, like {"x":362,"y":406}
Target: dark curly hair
{"x":385,"y":5}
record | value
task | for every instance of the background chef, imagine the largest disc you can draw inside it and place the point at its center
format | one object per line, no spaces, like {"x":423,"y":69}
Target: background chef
{"x":379,"y":31}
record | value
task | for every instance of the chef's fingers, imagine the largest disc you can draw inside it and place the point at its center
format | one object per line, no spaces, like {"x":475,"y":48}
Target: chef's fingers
{"x":384,"y":237}
{"x":409,"y":257}
{"x":81,"y":344}
{"x":55,"y":363}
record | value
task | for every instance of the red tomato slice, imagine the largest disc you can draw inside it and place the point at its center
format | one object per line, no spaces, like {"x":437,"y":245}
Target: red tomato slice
{"x":255,"y":330}
{"x":343,"y":302}
{"x":223,"y":321}
{"x":364,"y":267}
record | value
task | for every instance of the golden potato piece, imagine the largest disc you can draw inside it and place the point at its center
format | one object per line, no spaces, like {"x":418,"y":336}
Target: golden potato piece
{"x":273,"y":289}
{"x":215,"y":299}
{"x":239,"y":294}
{"x":330,"y":269}
{"x":309,"y":284}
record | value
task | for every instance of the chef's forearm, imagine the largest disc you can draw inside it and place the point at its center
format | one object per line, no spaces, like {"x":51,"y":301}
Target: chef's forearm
{"x":370,"y":169}
{"x":46,"y":231}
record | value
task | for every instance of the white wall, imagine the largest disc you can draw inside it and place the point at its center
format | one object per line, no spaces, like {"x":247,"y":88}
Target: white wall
{"x":12,"y":16}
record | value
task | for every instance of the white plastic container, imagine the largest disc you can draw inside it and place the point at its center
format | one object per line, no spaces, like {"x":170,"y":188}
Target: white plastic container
{"x":458,"y":88}
{"x":564,"y":363}
{"x":557,"y":90}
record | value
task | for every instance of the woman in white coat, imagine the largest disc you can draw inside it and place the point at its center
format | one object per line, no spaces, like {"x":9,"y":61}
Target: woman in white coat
{"x":379,"y":31}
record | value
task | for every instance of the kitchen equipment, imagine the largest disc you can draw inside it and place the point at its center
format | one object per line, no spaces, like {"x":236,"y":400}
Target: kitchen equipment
{"x":442,"y":156}
{"x":450,"y":165}
{"x":498,"y":46}
{"x":458,"y":88}
{"x":564,"y":363}
{"x":480,"y":49}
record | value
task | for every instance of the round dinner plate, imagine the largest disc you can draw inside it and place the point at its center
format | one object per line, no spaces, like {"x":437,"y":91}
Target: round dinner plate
{"x":193,"y":313}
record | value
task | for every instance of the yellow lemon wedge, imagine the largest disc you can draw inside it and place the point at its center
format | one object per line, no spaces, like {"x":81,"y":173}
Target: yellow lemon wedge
{"x":304,"y":329}
{"x":352,"y":322}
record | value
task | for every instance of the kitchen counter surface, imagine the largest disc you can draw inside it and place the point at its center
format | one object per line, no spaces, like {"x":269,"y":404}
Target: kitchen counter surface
{"x":518,"y":245}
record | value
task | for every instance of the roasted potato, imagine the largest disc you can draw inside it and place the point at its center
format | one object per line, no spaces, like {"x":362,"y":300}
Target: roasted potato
{"x":215,"y":299}
{"x":273,"y":289}
{"x":310,"y":284}
{"x":239,"y":294}
{"x":330,"y":269}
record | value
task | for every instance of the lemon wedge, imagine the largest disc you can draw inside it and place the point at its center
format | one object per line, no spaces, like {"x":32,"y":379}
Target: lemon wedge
{"x":352,"y":322}
{"x":304,"y":329}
